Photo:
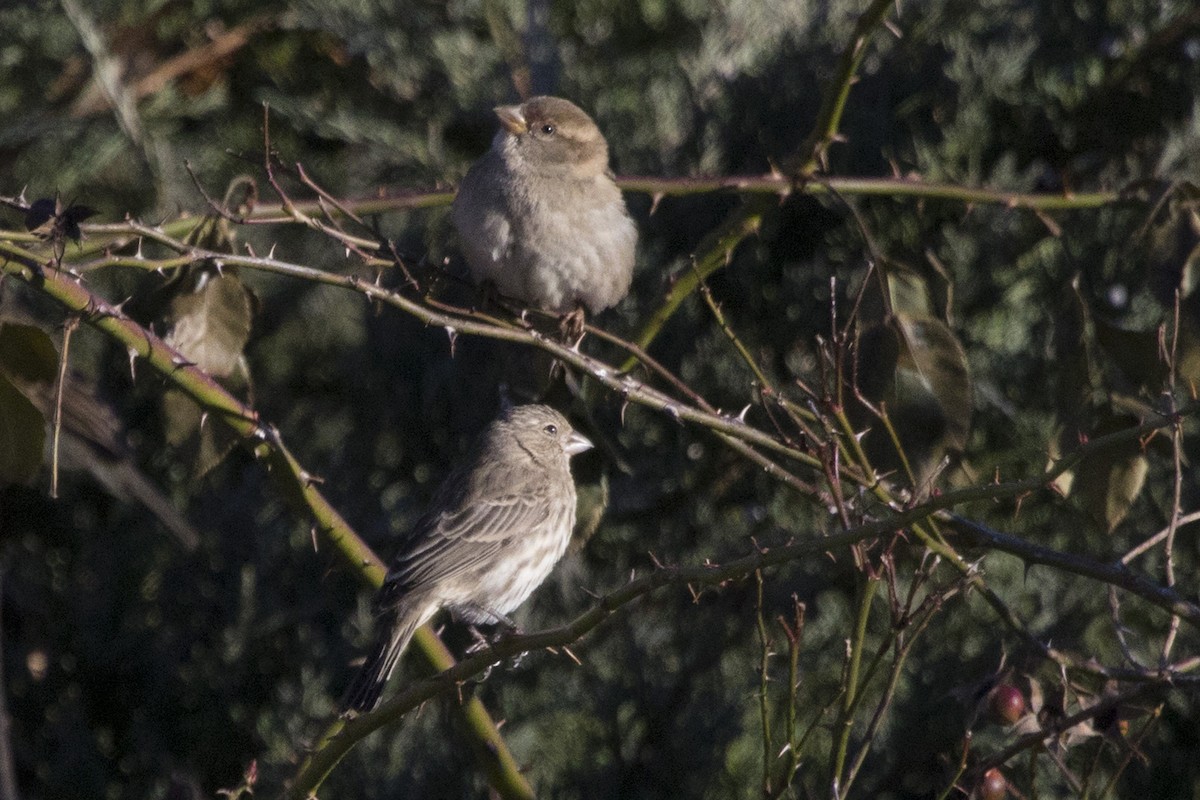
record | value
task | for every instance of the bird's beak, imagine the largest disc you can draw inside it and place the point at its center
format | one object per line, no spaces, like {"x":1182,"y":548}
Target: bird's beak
{"x":511,"y":118}
{"x":577,"y":443}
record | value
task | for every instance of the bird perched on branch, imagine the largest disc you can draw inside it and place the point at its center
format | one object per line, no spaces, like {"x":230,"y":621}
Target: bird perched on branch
{"x":494,"y":530}
{"x":540,"y":216}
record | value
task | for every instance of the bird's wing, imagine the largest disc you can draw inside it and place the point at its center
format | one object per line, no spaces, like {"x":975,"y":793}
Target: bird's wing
{"x":458,"y":539}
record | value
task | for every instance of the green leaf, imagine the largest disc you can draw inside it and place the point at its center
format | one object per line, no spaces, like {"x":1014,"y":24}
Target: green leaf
{"x":1107,"y":482}
{"x":27,"y":354}
{"x":916,"y":367}
{"x":1170,"y":245}
{"x":211,"y":324}
{"x":908,"y":292}
{"x":22,"y":435}
{"x":206,"y":442}
{"x":933,"y":366}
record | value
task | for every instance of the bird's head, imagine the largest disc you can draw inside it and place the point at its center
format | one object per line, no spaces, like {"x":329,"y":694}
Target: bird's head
{"x":553,"y":135}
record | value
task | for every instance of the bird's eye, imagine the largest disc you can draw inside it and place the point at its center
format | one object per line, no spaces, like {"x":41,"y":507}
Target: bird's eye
{"x":548,"y":129}
{"x":551,"y":429}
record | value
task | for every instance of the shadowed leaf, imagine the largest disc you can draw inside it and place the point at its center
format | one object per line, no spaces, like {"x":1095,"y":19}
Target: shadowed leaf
{"x":1107,"y":482}
{"x":22,"y":435}
{"x":27,"y":354}
{"x":1136,"y":354}
{"x":918,"y":370}
{"x":932,"y":363}
{"x":208,"y":442}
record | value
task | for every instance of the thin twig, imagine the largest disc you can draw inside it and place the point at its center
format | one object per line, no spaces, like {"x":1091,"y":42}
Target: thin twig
{"x":59,"y":389}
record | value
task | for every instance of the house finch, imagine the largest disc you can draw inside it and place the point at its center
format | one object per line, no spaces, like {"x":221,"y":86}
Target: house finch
{"x":539,"y":215}
{"x":495,"y":529}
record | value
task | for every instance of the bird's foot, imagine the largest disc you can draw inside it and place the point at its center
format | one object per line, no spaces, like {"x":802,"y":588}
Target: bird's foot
{"x":479,"y":642}
{"x":482,"y":641}
{"x":571,"y":325}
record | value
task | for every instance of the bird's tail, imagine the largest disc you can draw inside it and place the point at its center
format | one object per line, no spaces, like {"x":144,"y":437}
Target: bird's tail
{"x":395,"y":630}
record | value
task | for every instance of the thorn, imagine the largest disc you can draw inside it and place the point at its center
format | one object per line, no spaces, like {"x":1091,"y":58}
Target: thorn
{"x":654,"y":198}
{"x":742,"y":416}
{"x":308,"y":479}
{"x":312,"y":531}
{"x":572,"y":656}
{"x":132,"y":362}
{"x":452,"y":333}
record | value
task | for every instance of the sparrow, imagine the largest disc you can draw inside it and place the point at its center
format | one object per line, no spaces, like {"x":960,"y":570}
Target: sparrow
{"x":493,"y":532}
{"x":539,"y":215}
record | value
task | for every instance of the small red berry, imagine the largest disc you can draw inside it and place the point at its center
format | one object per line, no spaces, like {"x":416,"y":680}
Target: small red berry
{"x":1006,"y":704}
{"x":994,"y":785}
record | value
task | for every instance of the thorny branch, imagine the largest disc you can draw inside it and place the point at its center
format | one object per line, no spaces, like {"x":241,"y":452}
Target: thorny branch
{"x":769,"y":449}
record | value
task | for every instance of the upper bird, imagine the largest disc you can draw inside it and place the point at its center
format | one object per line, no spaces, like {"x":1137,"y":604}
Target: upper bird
{"x":494,"y":530}
{"x":539,"y":214}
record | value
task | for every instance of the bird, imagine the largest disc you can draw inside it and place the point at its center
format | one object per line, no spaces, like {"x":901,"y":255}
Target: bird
{"x":539,"y":215}
{"x":493,"y":532}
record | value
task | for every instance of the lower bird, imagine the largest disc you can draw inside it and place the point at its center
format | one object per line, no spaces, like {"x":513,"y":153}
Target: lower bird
{"x":495,"y":529}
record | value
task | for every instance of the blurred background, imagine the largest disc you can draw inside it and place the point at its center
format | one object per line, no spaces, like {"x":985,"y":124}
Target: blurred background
{"x":163,"y":626}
